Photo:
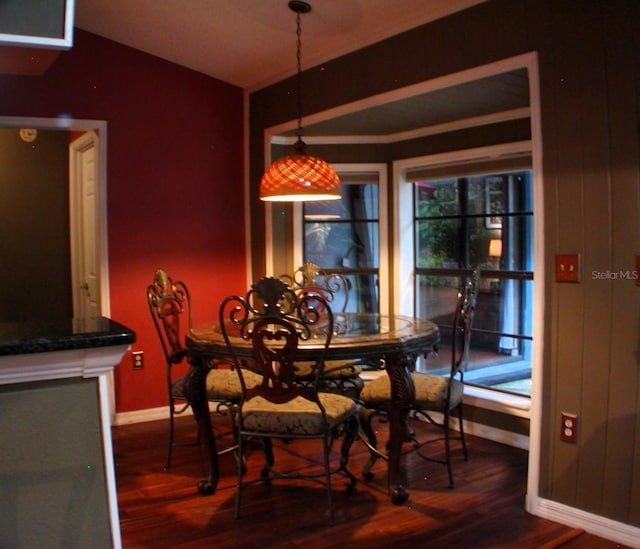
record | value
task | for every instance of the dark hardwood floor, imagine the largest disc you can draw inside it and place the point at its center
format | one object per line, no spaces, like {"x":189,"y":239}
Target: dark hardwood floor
{"x":486,"y":509}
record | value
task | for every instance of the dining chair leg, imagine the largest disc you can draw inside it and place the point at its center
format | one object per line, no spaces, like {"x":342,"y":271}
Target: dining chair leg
{"x":268,"y":457}
{"x":326,"y":448}
{"x":447,"y":447}
{"x":240,"y":486}
{"x":170,"y":447}
{"x":463,"y":441}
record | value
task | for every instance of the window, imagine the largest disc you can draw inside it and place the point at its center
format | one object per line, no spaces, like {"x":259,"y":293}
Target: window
{"x":485,"y":220}
{"x":345,"y":236}
{"x":454,"y":211}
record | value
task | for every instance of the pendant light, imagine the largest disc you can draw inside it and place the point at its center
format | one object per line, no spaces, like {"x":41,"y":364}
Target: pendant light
{"x":299,"y":177}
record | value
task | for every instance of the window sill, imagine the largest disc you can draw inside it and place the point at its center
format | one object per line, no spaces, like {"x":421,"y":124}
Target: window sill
{"x":498,"y":401}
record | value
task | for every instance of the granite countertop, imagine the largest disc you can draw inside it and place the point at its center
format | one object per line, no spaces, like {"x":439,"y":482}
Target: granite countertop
{"x":18,"y":338}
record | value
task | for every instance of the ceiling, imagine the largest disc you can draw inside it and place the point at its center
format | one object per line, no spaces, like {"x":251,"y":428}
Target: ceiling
{"x":251,"y":43}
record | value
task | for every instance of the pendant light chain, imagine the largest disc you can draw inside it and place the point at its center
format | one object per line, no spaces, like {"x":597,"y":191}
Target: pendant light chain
{"x":299,"y":78}
{"x":299,"y":177}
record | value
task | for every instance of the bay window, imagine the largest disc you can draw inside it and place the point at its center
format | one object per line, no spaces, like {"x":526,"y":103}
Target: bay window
{"x":468,"y":213}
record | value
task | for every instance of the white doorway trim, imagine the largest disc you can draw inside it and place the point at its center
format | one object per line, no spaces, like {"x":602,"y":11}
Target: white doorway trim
{"x":102,"y":251}
{"x":84,"y":210}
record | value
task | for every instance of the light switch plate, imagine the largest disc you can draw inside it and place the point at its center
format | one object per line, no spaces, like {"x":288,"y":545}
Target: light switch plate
{"x":568,"y":268}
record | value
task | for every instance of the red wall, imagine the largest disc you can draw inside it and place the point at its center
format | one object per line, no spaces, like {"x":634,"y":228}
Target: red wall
{"x":175,"y":182}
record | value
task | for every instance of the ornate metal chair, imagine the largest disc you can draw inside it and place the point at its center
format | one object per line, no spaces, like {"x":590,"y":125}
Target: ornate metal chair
{"x":433,"y":393}
{"x":334,"y":287}
{"x":275,"y":319}
{"x":341,"y":376}
{"x":168,"y":302}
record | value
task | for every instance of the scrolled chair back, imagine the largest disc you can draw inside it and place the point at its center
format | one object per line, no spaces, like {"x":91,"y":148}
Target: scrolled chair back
{"x":168,"y":301}
{"x":463,"y":321}
{"x":274,"y":318}
{"x":311,"y":278}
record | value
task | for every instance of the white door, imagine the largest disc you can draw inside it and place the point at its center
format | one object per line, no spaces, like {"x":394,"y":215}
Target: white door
{"x":84,"y":208}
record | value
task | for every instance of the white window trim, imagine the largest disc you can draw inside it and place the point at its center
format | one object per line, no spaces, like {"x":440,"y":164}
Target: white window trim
{"x":404,"y":265}
{"x":383,"y":225}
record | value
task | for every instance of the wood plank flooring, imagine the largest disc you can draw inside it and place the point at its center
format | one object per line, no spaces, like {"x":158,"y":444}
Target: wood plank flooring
{"x":161,"y":508}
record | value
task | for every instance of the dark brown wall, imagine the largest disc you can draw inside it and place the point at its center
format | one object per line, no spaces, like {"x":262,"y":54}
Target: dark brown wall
{"x":589,"y":62}
{"x":35,"y":270}
{"x":590,"y":57}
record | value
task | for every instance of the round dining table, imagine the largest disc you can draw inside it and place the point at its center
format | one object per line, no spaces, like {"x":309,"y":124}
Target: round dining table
{"x":392,"y":341}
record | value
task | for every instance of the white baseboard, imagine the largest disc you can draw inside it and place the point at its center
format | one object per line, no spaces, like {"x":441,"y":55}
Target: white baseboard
{"x":490,"y":433}
{"x":497,"y":435}
{"x":150,"y":414}
{"x":141,"y":416}
{"x":596,"y":525}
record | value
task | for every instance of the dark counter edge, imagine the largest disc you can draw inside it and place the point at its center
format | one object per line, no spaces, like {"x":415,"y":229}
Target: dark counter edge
{"x":20,"y":338}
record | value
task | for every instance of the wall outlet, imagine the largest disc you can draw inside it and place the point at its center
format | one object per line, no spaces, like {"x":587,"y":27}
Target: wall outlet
{"x":137,"y":359}
{"x":569,"y":428}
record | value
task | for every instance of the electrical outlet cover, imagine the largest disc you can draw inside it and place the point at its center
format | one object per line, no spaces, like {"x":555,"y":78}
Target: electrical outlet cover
{"x":569,"y":427}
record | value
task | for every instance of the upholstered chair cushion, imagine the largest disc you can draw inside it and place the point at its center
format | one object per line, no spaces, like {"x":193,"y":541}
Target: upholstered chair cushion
{"x":431,"y":391}
{"x":222,"y":384}
{"x":332,"y":369}
{"x":297,"y":417}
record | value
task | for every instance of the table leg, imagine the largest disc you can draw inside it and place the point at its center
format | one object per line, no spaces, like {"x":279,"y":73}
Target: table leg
{"x":402,"y":394}
{"x":196,"y":393}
